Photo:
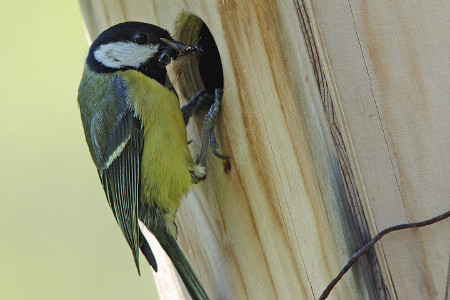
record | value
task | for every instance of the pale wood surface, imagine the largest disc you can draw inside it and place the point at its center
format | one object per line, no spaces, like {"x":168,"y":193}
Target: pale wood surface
{"x":336,"y":116}
{"x":390,"y":65}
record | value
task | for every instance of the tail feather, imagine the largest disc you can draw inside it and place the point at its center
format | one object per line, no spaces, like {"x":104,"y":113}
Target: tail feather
{"x":184,"y":268}
{"x":148,"y":253}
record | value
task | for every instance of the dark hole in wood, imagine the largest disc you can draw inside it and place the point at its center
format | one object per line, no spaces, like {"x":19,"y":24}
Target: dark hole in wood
{"x":210,"y":66}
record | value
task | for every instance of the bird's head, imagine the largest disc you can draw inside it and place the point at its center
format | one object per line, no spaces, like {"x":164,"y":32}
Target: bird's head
{"x":134,"y":45}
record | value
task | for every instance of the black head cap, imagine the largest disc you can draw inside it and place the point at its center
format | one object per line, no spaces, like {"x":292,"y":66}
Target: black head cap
{"x":129,"y":45}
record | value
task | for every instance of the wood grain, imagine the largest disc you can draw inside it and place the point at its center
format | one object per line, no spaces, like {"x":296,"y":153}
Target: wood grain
{"x":394,"y":96}
{"x":336,"y":119}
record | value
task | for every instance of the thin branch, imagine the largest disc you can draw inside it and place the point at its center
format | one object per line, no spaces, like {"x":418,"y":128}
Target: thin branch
{"x":366,"y":247}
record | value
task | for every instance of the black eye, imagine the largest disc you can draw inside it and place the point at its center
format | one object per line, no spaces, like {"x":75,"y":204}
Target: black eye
{"x":140,"y":38}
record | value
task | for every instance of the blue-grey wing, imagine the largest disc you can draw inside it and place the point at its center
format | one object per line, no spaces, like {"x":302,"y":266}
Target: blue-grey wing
{"x":111,"y":123}
{"x":117,"y":144}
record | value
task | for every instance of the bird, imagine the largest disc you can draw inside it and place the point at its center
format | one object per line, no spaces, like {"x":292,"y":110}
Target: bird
{"x":135,"y":131}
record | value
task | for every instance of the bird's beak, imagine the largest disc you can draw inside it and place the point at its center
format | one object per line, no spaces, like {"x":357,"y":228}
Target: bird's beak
{"x":177,"y":46}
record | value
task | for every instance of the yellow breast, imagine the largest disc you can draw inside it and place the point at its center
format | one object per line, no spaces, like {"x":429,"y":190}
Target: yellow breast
{"x":166,"y":162}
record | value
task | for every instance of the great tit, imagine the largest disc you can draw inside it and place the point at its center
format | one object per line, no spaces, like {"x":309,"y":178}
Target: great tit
{"x":135,"y":131}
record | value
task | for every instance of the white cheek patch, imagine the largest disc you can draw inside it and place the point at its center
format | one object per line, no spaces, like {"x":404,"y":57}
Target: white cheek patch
{"x":124,"y":54}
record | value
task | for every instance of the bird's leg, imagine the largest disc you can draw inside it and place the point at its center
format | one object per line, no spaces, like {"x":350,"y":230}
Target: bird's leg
{"x":213,"y":144}
{"x":208,"y":130}
{"x":209,"y":138}
{"x":199,"y":100}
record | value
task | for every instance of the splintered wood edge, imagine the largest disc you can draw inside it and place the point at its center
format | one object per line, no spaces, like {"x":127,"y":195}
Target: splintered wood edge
{"x":167,"y":274}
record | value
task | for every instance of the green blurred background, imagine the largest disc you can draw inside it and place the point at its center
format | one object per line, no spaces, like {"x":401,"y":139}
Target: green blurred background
{"x":58,"y":237}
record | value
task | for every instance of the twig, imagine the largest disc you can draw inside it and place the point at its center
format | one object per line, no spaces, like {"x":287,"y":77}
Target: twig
{"x":366,"y":247}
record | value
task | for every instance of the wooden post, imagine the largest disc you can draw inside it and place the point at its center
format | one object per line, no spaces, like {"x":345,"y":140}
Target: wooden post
{"x":336,"y":116}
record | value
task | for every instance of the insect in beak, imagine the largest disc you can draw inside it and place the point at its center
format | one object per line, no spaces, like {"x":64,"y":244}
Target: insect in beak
{"x":175,"y":50}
